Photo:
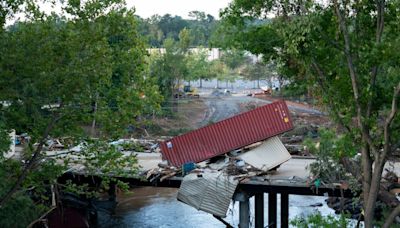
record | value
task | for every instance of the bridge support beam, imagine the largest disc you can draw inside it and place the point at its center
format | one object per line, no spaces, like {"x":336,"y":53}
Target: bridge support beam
{"x":244,"y":209}
{"x":259,"y":210}
{"x":272,"y":219}
{"x":284,"y":210}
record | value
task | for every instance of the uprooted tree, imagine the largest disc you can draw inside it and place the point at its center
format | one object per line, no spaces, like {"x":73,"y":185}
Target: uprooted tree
{"x":347,"y":52}
{"x":60,"y":74}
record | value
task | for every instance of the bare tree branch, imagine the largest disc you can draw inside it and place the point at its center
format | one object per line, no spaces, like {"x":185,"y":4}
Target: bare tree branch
{"x":379,"y":31}
{"x":389,"y":120}
{"x":349,"y":57}
{"x":354,"y":78}
{"x":31,"y":163}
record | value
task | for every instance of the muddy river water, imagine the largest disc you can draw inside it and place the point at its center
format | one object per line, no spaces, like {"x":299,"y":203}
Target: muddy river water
{"x":150,"y":207}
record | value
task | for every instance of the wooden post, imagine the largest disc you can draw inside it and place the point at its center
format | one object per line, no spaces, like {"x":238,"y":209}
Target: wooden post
{"x":284,"y":210}
{"x":259,"y":210}
{"x":272,"y":210}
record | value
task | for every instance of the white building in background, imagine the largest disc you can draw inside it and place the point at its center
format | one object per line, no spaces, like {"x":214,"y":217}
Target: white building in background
{"x":212,"y":53}
{"x":153,"y":51}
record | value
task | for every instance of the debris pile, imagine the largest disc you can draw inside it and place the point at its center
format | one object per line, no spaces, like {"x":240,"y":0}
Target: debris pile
{"x":217,"y":177}
{"x":161,"y":173}
{"x":256,"y":159}
{"x":128,"y":145}
{"x":138,"y":145}
{"x":234,"y":150}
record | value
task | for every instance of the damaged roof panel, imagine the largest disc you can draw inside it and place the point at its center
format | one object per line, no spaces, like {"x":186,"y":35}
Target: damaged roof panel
{"x":270,"y":154}
{"x":226,"y":135}
{"x":210,"y":192}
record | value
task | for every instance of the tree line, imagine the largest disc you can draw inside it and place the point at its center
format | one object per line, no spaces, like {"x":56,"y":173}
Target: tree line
{"x":157,"y":29}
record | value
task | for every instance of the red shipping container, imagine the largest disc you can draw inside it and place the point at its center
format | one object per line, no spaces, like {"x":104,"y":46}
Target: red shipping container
{"x":227,"y":135}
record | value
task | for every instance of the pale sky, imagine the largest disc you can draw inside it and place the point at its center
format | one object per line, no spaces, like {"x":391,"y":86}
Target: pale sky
{"x":147,"y":8}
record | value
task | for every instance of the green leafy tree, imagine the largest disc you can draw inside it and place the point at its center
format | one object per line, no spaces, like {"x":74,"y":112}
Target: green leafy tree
{"x":234,"y":60}
{"x":317,"y":220}
{"x":220,"y":71}
{"x":158,"y":28}
{"x":198,"y":66}
{"x":347,"y":53}
{"x":58,"y":75}
{"x":171,"y":26}
{"x":258,"y":71}
{"x":151,"y":30}
{"x":169,"y":68}
{"x":202,"y":26}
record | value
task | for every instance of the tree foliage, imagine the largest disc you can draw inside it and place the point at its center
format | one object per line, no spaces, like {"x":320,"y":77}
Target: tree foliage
{"x":258,"y":71}
{"x":317,"y":220}
{"x":158,"y":28}
{"x":60,"y":73}
{"x":169,"y":69}
{"x":346,"y":52}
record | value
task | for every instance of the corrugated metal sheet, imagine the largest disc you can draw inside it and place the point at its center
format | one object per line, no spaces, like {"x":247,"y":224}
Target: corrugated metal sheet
{"x":268,"y":155}
{"x":212,"y":192}
{"x":226,"y":135}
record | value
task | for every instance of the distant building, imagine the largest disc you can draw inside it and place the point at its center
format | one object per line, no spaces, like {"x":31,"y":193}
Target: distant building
{"x":213,"y":53}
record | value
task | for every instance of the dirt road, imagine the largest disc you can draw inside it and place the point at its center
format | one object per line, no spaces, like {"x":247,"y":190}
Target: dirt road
{"x":222,"y":106}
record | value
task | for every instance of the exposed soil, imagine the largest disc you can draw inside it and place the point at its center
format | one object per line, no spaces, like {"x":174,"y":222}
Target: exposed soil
{"x":190,"y":112}
{"x":223,"y":107}
{"x":293,"y":104}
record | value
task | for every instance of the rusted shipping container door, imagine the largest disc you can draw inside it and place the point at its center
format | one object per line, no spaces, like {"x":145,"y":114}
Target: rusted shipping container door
{"x":226,"y":135}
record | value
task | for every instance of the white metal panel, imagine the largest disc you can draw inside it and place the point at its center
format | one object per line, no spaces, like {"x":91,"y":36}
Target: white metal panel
{"x":211,"y":192}
{"x":268,"y":155}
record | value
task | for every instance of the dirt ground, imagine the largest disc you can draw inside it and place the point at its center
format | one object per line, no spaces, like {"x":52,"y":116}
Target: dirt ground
{"x":303,"y":114}
{"x":190,"y":113}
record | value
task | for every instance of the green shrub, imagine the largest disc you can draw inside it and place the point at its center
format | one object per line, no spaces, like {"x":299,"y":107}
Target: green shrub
{"x":317,"y":220}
